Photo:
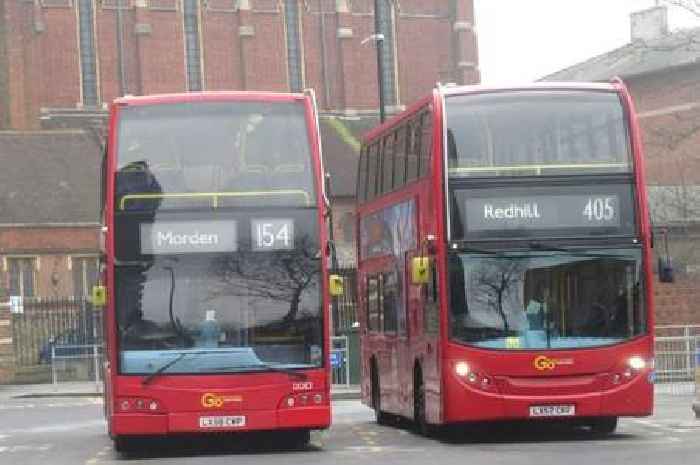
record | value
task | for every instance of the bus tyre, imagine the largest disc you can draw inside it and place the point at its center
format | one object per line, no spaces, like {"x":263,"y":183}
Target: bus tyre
{"x":419,"y":419}
{"x":299,"y":440}
{"x":604,"y":426}
{"x":382,"y":418}
{"x":124,"y":444}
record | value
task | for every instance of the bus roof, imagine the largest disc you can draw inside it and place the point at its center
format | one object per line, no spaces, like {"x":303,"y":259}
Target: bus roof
{"x":449,"y":90}
{"x":209,"y":96}
{"x":460,"y":90}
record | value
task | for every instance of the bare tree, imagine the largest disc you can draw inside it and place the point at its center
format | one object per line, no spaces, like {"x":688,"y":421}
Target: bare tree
{"x":693,"y":6}
{"x":674,"y":185}
{"x":500,"y":280}
{"x":280,"y":276}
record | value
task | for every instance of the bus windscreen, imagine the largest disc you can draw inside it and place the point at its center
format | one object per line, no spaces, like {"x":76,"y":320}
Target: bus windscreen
{"x":238,"y":293}
{"x":532,"y":133}
{"x":555,"y":299}
{"x":213,"y":154}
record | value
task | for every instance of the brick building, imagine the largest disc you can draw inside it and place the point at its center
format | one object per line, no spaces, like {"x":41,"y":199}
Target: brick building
{"x":662,"y":70}
{"x":67,"y":54}
{"x":62,"y":61}
{"x":48,"y":213}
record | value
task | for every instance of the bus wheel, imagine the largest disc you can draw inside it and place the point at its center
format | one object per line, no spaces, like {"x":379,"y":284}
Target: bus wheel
{"x":419,"y":420}
{"x":604,"y":426}
{"x":124,"y":444}
{"x":382,"y":418}
{"x":299,"y":440}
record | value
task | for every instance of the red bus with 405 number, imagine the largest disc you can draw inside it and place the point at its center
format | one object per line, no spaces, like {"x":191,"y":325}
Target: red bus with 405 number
{"x":216,"y":287}
{"x":504,"y":258}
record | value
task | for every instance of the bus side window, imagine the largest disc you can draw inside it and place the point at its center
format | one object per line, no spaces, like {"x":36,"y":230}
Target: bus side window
{"x":373,"y":304}
{"x":431,"y":302}
{"x":371,"y":172}
{"x":388,"y":164}
{"x":389,"y":289}
{"x":103,"y":183}
{"x":412,"y":153}
{"x":362,"y":176}
{"x":425,"y":135}
{"x":400,"y":158}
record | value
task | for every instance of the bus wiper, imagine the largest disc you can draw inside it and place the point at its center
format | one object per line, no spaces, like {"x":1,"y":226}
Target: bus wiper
{"x":147,"y":380}
{"x":275,"y":368}
{"x":476,"y":250}
{"x":573,"y":252}
{"x":549,"y":248}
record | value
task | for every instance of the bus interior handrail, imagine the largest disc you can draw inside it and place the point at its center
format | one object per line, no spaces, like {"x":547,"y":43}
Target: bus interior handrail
{"x":214,"y":196}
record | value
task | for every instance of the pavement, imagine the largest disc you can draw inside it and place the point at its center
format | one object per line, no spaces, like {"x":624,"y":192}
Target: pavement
{"x":71,"y":431}
{"x":92,"y":389}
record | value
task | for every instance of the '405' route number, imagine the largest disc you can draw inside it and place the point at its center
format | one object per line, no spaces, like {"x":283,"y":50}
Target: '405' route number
{"x":599,"y":209}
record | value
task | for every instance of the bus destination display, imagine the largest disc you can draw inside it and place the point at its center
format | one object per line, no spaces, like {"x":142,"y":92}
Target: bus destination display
{"x":540,"y":212}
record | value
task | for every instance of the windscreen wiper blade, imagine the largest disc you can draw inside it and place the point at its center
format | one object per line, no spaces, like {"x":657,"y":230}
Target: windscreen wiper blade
{"x":279,"y":369}
{"x":476,"y":250}
{"x":549,"y":248}
{"x":147,"y":380}
{"x":576,"y":253}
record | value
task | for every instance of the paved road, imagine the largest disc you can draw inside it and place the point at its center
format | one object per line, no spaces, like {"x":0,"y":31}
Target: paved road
{"x":71,"y":431}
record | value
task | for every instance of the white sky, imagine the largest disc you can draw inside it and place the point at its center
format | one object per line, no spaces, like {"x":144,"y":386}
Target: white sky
{"x":523,"y":40}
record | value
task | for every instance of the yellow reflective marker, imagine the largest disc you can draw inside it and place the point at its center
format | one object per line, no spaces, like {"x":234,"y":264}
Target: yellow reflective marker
{"x":336,"y":286}
{"x":512,"y":343}
{"x":99,"y":296}
{"x":420,"y":270}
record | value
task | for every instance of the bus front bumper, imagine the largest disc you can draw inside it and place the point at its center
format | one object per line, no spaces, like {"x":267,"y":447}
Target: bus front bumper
{"x":137,"y":424}
{"x":465,"y":403}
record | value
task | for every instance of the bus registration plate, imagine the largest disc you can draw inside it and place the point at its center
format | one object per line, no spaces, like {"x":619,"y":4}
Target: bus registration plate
{"x":552,"y":410}
{"x":222,"y":422}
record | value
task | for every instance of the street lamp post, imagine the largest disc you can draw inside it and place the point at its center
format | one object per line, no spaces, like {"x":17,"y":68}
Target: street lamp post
{"x":379,"y":39}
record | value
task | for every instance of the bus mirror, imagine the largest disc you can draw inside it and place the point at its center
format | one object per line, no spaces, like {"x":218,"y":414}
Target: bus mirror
{"x":665,"y":270}
{"x":336,"y":285}
{"x":99,"y":296}
{"x":420,"y":270}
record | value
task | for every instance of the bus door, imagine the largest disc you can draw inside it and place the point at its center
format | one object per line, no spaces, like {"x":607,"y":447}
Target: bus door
{"x":404,"y":304}
{"x":431,"y":343}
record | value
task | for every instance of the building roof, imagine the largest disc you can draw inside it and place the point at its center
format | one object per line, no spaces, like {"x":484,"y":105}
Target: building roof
{"x":341,"y":150}
{"x":681,"y":48}
{"x":49,"y":177}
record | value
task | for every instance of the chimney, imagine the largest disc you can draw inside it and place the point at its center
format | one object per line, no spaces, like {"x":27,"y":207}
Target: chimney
{"x":649,"y":24}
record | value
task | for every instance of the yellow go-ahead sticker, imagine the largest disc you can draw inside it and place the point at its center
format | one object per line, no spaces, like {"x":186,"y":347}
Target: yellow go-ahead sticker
{"x":210,"y":400}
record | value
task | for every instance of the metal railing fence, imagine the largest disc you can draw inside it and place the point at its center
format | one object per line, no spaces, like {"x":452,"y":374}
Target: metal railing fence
{"x":340,"y":361}
{"x":676,"y":352}
{"x":44,"y":323}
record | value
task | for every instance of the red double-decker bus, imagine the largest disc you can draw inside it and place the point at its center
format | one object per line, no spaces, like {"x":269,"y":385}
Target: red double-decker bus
{"x":216,"y":294}
{"x":504,"y":258}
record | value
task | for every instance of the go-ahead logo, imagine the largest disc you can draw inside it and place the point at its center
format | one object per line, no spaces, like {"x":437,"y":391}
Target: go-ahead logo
{"x":210,"y":400}
{"x":543,"y":362}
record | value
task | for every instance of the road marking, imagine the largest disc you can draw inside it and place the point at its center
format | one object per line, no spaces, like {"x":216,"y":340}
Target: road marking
{"x":368,"y":433}
{"x":96,"y":459}
{"x":378,"y":449}
{"x":57,"y":428}
{"x":26,"y":448}
{"x":82,"y":403}
{"x":673,"y":428}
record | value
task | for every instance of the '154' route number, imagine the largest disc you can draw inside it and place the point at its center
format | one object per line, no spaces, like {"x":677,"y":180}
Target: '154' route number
{"x":273,"y":234}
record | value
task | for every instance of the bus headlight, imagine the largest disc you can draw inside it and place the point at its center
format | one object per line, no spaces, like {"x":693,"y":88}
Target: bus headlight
{"x":462,"y":369}
{"x":637,"y":363}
